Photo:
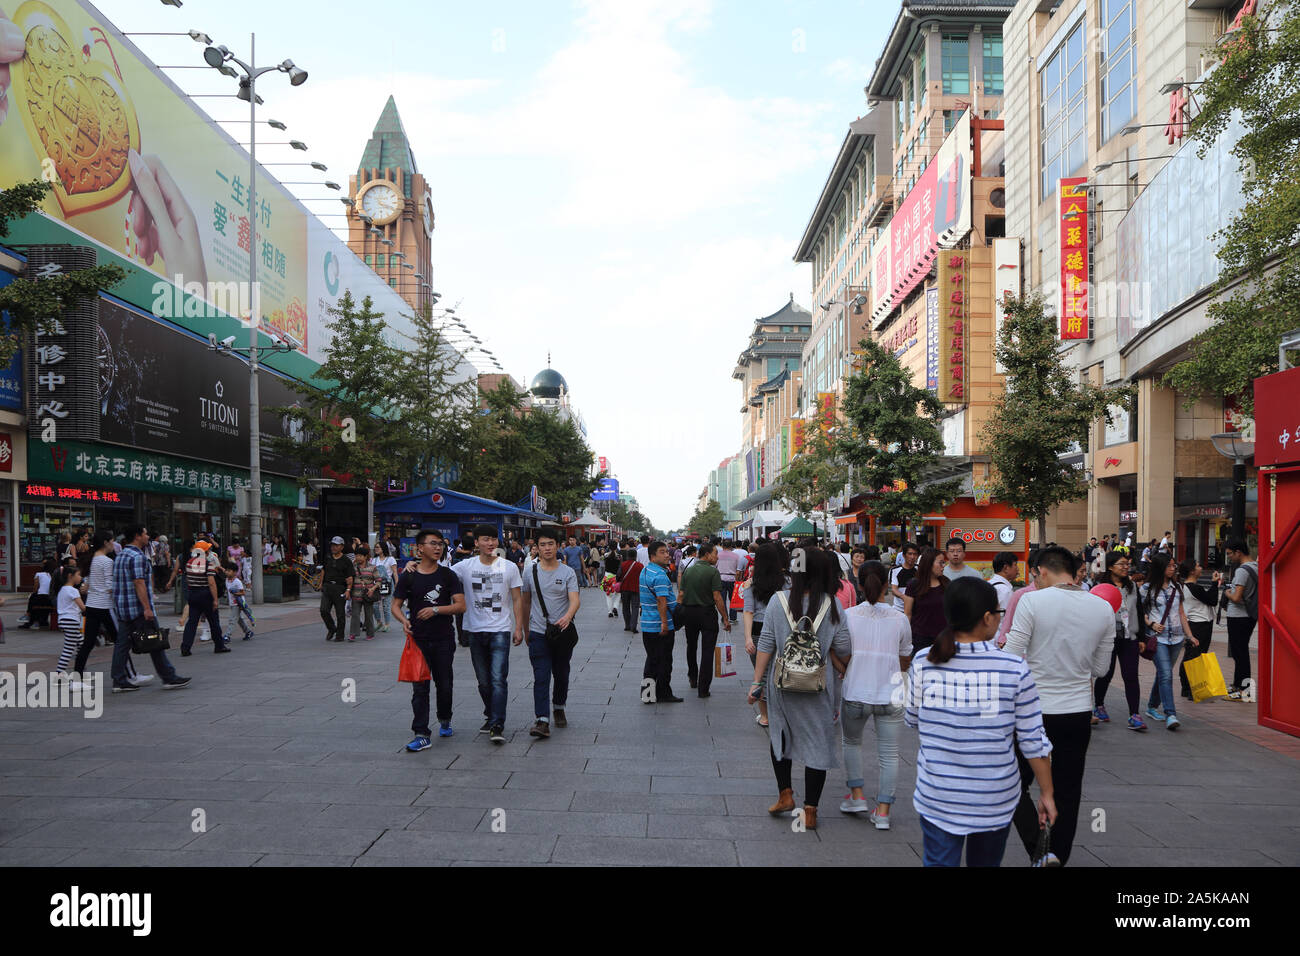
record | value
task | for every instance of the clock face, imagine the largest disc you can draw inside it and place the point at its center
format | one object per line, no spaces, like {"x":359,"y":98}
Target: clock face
{"x":428,"y":216}
{"x":381,"y":203}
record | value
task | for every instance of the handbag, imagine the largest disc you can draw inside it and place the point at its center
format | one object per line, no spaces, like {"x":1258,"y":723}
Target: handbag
{"x":148,"y":638}
{"x":413,"y":668}
{"x":558,"y":639}
{"x":1205,"y":677}
{"x":800,"y":667}
{"x":1149,"y":640}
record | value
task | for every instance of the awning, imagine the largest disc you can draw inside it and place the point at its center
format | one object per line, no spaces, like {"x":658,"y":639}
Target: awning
{"x":798,"y":526}
{"x":849,"y":519}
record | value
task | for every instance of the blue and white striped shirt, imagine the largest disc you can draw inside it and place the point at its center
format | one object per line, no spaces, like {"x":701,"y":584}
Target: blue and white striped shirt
{"x":968,"y":712}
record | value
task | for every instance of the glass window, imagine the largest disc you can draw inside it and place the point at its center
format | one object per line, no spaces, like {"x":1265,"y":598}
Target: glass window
{"x":993,"y":64}
{"x":1063,"y":140}
{"x":369,"y":259}
{"x":1118,"y":67}
{"x":920,"y":73}
{"x":956,"y":63}
{"x":949,"y":120}
{"x":393,"y":283}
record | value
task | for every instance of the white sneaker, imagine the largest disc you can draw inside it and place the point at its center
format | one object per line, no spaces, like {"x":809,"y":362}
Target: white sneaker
{"x":849,"y":805}
{"x":204,"y":636}
{"x":77,"y":685}
{"x":139,"y":680}
{"x":881,"y":822}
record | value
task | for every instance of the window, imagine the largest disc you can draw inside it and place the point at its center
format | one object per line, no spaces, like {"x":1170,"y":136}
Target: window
{"x":950,"y":120}
{"x":956,"y":63}
{"x":393,"y":283}
{"x":368,"y":260}
{"x":920,"y":74}
{"x":900,"y":120}
{"x":906,"y":106}
{"x":993,"y":64}
{"x":1118,"y":67}
{"x":1062,"y":101}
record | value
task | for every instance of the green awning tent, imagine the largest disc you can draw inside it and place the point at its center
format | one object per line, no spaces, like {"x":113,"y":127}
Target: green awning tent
{"x":798,"y":526}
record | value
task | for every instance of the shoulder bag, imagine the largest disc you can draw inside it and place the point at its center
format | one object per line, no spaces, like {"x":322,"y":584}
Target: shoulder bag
{"x":557,"y":639}
{"x":149,"y":637}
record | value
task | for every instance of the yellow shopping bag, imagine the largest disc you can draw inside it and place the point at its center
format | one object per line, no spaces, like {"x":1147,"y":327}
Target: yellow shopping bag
{"x":1205,"y":678}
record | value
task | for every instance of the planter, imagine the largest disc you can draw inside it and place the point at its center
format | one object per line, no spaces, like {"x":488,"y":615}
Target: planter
{"x":278,"y":588}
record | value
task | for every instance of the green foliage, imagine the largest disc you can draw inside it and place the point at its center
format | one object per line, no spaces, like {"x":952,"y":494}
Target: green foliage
{"x":33,"y":304}
{"x":816,"y":473}
{"x":709,"y":521}
{"x":893,"y":435}
{"x":434,"y":408}
{"x":1258,"y":255}
{"x":632,"y":520}
{"x":1040,"y":415}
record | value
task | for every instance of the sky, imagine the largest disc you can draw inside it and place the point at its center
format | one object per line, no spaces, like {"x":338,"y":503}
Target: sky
{"x":619,"y":183}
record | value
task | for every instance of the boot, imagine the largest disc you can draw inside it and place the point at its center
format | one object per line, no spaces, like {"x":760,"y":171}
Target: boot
{"x":809,"y":817}
{"x":784,"y":803}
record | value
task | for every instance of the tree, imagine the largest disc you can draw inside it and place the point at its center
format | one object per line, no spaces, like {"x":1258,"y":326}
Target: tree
{"x":349,"y":417}
{"x":561,"y":462}
{"x":814,"y":474}
{"x":434,"y":406}
{"x":894,"y":439}
{"x":1041,"y":415}
{"x":708,"y":521}
{"x":34,"y":304}
{"x":1258,"y":80}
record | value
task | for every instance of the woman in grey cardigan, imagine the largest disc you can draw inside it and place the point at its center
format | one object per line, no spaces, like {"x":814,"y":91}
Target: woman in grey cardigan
{"x":802,"y":725}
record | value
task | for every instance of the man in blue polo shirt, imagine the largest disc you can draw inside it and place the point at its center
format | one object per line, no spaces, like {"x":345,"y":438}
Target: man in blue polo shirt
{"x":133,"y":601}
{"x":658,"y":601}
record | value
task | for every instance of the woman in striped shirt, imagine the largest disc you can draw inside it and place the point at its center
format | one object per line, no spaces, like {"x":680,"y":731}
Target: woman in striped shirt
{"x":971,"y":704}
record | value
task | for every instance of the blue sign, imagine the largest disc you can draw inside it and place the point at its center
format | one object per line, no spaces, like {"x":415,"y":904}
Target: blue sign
{"x":11,"y":378}
{"x":607,"y":490}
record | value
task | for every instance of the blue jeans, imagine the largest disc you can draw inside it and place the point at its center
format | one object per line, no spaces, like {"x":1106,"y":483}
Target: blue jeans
{"x":546,"y":664}
{"x":490,"y":653}
{"x":941,"y":848}
{"x":122,"y":655}
{"x":1162,"y":691}
{"x":889,"y":723}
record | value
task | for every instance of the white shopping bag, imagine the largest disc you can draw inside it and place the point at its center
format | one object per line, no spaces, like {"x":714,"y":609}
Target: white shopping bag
{"x":723,"y":666}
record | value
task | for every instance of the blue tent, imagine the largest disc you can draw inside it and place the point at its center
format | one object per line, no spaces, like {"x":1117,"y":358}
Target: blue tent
{"x":454,"y":514}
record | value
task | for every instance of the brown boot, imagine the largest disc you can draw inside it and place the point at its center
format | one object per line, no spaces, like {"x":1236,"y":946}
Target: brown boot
{"x":784,"y":803}
{"x":809,"y":817}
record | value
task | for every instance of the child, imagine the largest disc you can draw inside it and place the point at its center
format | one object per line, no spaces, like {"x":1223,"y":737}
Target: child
{"x":365,"y":588}
{"x":238,"y":607}
{"x":70,"y":610}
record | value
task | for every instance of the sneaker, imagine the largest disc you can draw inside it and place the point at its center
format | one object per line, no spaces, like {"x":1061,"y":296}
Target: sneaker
{"x":175,"y":683}
{"x":444,"y":730}
{"x":1100,"y":714}
{"x":487,"y":726}
{"x":881,"y":820}
{"x":139,"y":680}
{"x":124,"y":688}
{"x":248,"y":636}
{"x":540,"y":729}
{"x":352,"y":637}
{"x":849,"y":805}
{"x":497,"y":734}
{"x":1155,"y":714}
{"x":418,"y":744}
{"x":1095,"y":719}
{"x":1234,"y":694}
{"x":370,"y":637}
{"x":559,"y":719}
{"x":1173,"y":723}
{"x":204,"y":636}
{"x":1048,"y":860}
{"x":385,"y":628}
{"x":1135,"y":723}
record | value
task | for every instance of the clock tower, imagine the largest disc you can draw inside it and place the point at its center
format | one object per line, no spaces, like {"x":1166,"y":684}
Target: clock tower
{"x":390,"y":221}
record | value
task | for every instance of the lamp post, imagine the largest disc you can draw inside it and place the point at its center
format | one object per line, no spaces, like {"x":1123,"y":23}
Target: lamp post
{"x":1231,"y":445}
{"x":218,"y":57}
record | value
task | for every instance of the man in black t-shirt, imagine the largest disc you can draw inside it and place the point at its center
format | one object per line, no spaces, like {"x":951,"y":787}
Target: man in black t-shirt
{"x":435,"y":595}
{"x":335,"y":584}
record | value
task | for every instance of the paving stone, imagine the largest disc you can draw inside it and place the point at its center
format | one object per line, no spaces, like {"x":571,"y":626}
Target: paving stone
{"x":106,"y":857}
{"x":629,"y":851}
{"x":615,"y":783}
{"x":323,"y":841}
{"x":416,"y":845}
{"x":556,"y":822}
{"x":663,"y":803}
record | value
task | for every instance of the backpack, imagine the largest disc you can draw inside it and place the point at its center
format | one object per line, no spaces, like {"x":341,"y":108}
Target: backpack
{"x":800,"y":667}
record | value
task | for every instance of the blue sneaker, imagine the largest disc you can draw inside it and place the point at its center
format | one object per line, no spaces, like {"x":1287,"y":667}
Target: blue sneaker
{"x":1135,"y":723}
{"x":445,"y":730}
{"x":1155,"y":714}
{"x":1100,"y":713}
{"x":418,"y":744}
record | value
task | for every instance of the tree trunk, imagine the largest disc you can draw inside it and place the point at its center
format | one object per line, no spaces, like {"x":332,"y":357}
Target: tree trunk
{"x":1042,"y":531}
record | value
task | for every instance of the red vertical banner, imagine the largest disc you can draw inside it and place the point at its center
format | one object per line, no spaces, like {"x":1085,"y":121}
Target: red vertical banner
{"x":1074,"y":257}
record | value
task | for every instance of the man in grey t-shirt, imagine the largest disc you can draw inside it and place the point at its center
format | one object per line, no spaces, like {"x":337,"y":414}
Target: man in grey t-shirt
{"x":1243,"y":590}
{"x":556,"y":585}
{"x":957,"y":567}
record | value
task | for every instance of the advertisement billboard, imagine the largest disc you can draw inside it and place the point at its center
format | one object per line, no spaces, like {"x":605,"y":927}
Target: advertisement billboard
{"x":1073,"y":310}
{"x":954,"y":310}
{"x":606,"y":491}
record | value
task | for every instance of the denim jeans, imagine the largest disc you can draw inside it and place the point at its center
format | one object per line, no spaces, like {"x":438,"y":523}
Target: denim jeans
{"x":122,"y":655}
{"x":889,"y":723}
{"x":1162,"y":691}
{"x":490,"y":652}
{"x":202,"y":605}
{"x":941,"y":848}
{"x":545,"y":665}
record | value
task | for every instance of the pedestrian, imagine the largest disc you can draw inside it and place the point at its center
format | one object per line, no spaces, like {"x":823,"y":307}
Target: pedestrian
{"x":1005,"y":565}
{"x":629,"y":588}
{"x":923,"y":600}
{"x":235,"y":552}
{"x":336,"y":582}
{"x":494,"y":612}
{"x":550,"y":603}
{"x":99,"y":605}
{"x":658,"y":626}
{"x":1200,"y":601}
{"x":900,"y":575}
{"x":133,"y":601}
{"x":881,"y":648}
{"x":857,"y":559}
{"x":433,"y":594}
{"x":1127,"y":645}
{"x":643,"y":551}
{"x":967,"y":787}
{"x":179,"y":578}
{"x":1066,"y":636}
{"x":770,"y":566}
{"x":955,"y":550}
{"x":1243,"y":611}
{"x":385,"y":566}
{"x":41,"y":604}
{"x":240,"y":614}
{"x":702,"y":607}
{"x":201,"y":570}
{"x":573,"y":558}
{"x":69,"y":609}
{"x":308,"y":556}
{"x":847,"y":593}
{"x":592,"y":557}
{"x":802,"y":724}
{"x":729,"y":564}
{"x":612,"y":560}
{"x":1031,"y":569}
{"x":160,"y":558}
{"x":1165,"y":615}
{"x":363,"y":593}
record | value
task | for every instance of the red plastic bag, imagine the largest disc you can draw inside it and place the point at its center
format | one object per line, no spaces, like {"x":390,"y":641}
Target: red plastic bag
{"x":737,"y":598}
{"x":413,"y":668}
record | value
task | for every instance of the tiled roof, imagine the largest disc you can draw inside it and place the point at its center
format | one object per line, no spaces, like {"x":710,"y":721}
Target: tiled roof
{"x":389,"y":148}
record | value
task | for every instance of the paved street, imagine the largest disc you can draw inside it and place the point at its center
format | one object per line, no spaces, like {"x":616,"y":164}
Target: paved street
{"x":285,"y":772}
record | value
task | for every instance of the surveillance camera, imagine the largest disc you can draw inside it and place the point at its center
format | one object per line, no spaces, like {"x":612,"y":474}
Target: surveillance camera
{"x":212,"y":340}
{"x":228,"y":341}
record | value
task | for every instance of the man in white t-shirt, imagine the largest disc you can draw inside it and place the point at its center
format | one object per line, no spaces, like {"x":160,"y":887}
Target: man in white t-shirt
{"x":901,"y":576}
{"x":493,"y":614}
{"x":642,"y":552}
{"x":1005,"y":564}
{"x":309,"y":554}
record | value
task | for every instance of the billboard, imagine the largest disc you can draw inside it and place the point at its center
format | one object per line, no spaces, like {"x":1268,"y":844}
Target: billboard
{"x":954,"y":308}
{"x":1073,"y":310}
{"x":606,"y":491}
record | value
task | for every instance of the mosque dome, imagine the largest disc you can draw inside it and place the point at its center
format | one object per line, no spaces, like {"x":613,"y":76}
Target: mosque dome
{"x":548,"y":383}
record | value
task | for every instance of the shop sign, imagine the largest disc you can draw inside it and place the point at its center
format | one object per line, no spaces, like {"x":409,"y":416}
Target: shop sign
{"x":953,"y":327}
{"x":61,"y":372}
{"x":125,"y":469}
{"x":64,"y":493}
{"x":932,"y":339}
{"x":1277,"y":418}
{"x":6,"y":452}
{"x":1004,"y":534}
{"x":1115,"y":461}
{"x":1128,"y":517}
{"x":903,"y":337}
{"x":1074,"y":257}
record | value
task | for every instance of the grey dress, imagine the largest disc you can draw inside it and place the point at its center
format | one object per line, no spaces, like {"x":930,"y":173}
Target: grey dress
{"x":807,"y":721}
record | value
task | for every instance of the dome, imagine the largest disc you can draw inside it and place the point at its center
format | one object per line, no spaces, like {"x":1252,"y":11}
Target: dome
{"x":548,"y":383}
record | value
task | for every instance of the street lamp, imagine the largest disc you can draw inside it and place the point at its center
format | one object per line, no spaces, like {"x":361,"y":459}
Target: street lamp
{"x":219,"y":57}
{"x":1231,"y":445}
